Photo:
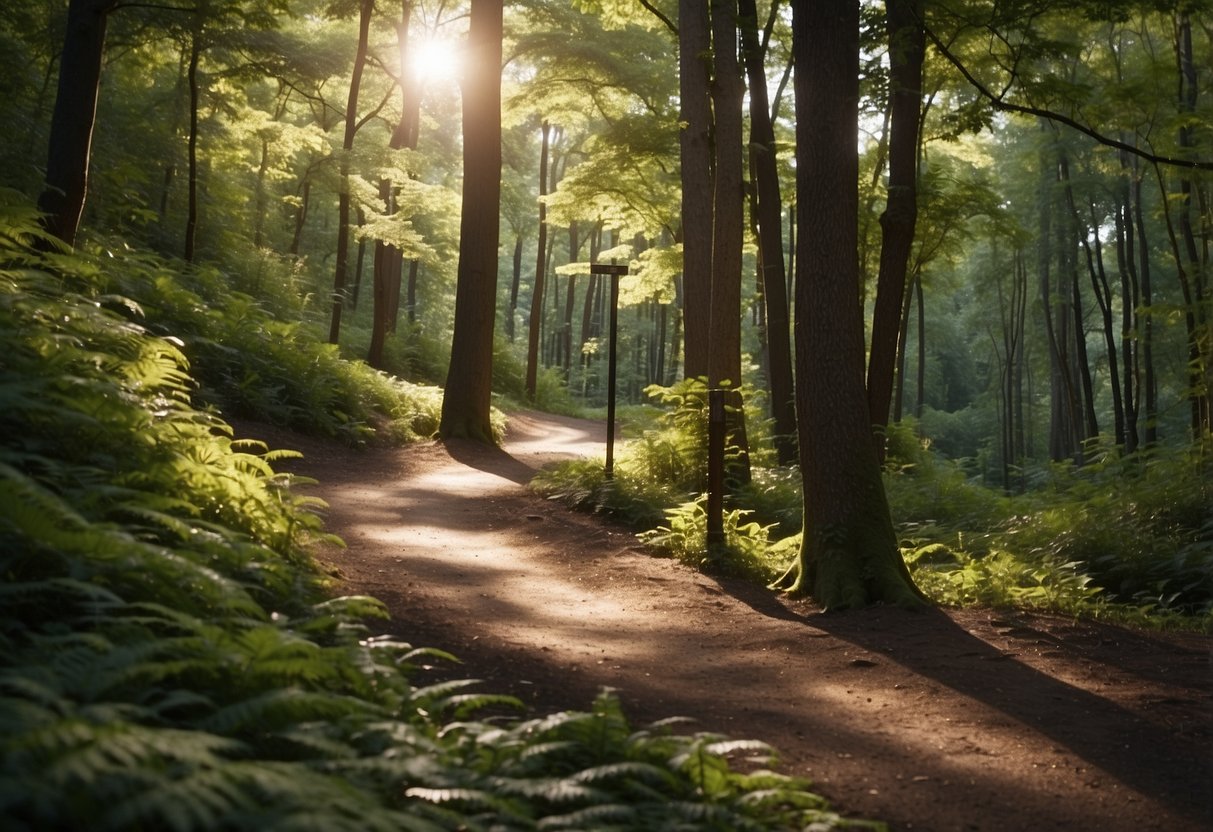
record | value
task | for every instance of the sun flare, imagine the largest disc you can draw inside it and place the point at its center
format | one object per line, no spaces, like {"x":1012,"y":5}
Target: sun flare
{"x":437,"y":59}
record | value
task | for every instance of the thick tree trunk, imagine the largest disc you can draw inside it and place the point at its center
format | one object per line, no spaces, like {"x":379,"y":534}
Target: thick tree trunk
{"x":769,"y":220}
{"x":341,"y":265}
{"x":694,"y":44}
{"x":71,"y":135}
{"x":467,"y":402}
{"x":907,"y":45}
{"x":728,"y":229}
{"x":849,"y":555}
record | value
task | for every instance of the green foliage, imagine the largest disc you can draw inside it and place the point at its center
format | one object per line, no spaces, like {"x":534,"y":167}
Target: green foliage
{"x":169,"y":658}
{"x":582,"y":484}
{"x":1141,"y":527}
{"x":1121,"y":538}
{"x":592,"y":771}
{"x":745,"y":551}
{"x":251,"y":362}
{"x":1000,"y":578}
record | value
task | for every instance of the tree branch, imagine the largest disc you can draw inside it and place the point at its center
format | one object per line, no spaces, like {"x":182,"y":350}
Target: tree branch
{"x":669,"y":24}
{"x":999,"y":103}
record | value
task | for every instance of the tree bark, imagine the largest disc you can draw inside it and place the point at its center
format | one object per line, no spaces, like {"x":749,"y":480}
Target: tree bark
{"x":71,"y":136}
{"x":191,"y":221}
{"x":467,"y":402}
{"x":536,"y":318}
{"x":1148,"y":389}
{"x":769,"y":220}
{"x":728,"y":228}
{"x":907,"y":45}
{"x":389,"y":260}
{"x":694,"y":45}
{"x":515,"y":281}
{"x":849,"y":555}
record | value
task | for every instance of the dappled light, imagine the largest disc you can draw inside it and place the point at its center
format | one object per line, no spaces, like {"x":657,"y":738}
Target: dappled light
{"x":730,"y":415}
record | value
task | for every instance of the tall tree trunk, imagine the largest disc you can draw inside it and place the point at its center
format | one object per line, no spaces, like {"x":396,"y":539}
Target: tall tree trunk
{"x":467,"y":402}
{"x":1065,"y":440}
{"x":907,"y":45}
{"x":341,"y":265}
{"x":359,"y":263}
{"x":410,"y":297}
{"x":1082,"y":364}
{"x":1103,"y":297}
{"x":389,"y":260}
{"x":695,"y":116}
{"x":191,"y":222}
{"x":920,"y":381}
{"x":1127,"y":266}
{"x":1145,"y":331}
{"x":71,"y":136}
{"x":728,"y":227}
{"x":903,"y":339}
{"x":769,"y":219}
{"x":849,"y":555}
{"x":515,"y":281}
{"x":536,"y":319}
{"x":1188,"y":263}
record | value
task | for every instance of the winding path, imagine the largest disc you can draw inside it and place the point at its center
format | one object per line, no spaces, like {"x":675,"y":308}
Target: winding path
{"x":958,"y":720}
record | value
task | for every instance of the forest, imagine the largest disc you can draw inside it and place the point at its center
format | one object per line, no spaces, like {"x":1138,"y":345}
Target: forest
{"x":949,"y":261}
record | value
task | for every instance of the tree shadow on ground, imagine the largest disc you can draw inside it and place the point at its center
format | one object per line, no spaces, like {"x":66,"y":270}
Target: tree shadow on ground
{"x":490,"y":459}
{"x":1141,"y":753}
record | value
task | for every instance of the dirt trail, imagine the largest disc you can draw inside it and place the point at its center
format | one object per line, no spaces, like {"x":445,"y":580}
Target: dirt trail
{"x":956,"y":720}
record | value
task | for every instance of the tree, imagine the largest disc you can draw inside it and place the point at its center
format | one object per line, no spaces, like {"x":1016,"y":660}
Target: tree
{"x":907,"y":44}
{"x":71,"y":137}
{"x":536,"y":316}
{"x":848,"y":555}
{"x":695,"y":119}
{"x":341,"y":266}
{"x":467,"y":401}
{"x":768,"y":219}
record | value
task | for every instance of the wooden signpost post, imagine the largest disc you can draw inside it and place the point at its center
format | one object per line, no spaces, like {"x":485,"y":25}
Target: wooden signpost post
{"x":615,"y":272}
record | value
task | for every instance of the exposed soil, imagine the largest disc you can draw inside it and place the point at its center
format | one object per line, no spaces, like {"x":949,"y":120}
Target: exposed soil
{"x":945,"y":720}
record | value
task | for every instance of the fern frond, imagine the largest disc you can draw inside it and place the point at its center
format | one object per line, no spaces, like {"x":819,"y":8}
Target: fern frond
{"x":603,"y":817}
{"x":274,"y":709}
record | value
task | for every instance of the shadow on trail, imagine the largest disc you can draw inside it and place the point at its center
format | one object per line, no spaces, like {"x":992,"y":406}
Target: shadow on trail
{"x":1116,"y":741}
{"x":490,"y":459}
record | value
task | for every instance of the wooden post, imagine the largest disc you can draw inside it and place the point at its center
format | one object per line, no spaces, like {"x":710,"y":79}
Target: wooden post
{"x":615,"y":272}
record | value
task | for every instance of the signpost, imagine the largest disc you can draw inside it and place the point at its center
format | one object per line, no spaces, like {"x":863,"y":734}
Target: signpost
{"x":615,"y":273}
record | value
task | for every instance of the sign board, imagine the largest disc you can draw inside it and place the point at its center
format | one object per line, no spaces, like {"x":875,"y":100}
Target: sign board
{"x":607,"y":268}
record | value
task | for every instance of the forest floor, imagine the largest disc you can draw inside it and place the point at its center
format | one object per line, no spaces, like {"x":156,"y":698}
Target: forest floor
{"x":971,"y":719}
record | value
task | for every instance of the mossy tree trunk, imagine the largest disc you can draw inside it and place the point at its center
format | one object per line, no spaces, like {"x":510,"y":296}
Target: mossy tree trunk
{"x":849,"y":557}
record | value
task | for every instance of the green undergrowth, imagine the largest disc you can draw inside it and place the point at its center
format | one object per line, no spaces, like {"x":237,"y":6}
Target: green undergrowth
{"x":1120,"y":539}
{"x":260,"y":356}
{"x":172,"y":659}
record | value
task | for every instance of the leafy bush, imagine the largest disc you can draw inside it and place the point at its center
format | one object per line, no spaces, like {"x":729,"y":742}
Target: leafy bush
{"x":743,"y":553}
{"x":169,"y":658}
